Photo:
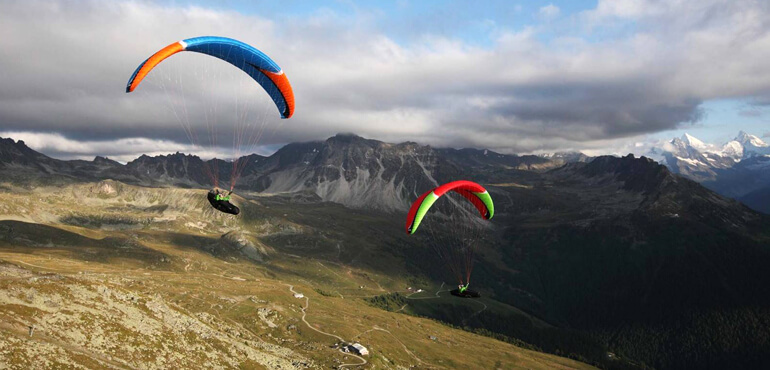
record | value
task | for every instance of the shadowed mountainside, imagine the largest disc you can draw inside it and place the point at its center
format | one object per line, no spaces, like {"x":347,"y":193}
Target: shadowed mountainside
{"x":613,"y":255}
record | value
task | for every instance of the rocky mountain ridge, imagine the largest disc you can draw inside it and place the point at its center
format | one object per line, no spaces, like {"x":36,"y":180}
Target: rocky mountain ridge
{"x":736,"y":169}
{"x":345,"y":168}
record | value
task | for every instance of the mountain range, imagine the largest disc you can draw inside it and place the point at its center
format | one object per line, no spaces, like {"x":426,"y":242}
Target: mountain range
{"x":619,"y":255}
{"x":346,"y":169}
{"x":739,"y":169}
{"x":378,"y":174}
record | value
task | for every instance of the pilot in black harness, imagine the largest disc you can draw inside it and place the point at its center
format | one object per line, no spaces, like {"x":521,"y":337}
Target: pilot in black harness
{"x":222,"y":202}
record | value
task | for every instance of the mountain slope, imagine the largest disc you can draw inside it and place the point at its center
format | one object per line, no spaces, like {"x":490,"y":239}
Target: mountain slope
{"x":735,"y":169}
{"x":645,"y":260}
{"x":138,"y":277}
{"x":615,"y":254}
{"x":346,"y":169}
{"x":759,"y":199}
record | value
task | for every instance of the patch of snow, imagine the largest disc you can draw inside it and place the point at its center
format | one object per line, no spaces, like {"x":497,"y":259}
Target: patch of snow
{"x":689,"y":161}
{"x":695,"y":142}
{"x":732,"y":149}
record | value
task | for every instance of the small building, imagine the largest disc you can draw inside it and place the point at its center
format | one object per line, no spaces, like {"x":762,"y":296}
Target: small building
{"x":419,"y":290}
{"x":299,"y":295}
{"x":359,"y":349}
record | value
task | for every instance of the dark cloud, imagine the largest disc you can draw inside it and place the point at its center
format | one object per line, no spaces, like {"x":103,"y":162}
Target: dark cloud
{"x":65,"y":65}
{"x":752,"y":113}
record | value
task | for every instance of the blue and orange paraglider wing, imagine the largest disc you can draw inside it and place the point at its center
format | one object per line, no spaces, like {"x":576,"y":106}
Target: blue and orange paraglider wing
{"x":243,"y":56}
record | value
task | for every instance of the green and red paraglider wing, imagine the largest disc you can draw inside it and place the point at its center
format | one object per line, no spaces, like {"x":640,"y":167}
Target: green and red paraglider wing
{"x":470,"y":190}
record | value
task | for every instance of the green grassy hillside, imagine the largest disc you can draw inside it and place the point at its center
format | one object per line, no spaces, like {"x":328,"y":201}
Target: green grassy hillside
{"x":108,"y":275}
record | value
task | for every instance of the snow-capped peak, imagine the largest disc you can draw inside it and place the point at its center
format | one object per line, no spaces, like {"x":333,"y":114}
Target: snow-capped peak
{"x":752,"y":145}
{"x":733,"y":149}
{"x":737,"y":160}
{"x":748,"y":139}
{"x":743,"y":146}
{"x":683,"y":147}
{"x":694,"y":142}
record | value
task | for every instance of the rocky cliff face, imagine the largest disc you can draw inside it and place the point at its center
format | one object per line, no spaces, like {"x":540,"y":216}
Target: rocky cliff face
{"x":346,"y":169}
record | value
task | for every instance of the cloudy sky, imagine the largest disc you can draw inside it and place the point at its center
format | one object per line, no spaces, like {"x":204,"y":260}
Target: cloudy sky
{"x":512,"y":76}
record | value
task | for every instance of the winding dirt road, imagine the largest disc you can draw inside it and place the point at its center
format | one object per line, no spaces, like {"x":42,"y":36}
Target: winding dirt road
{"x":304,"y":314}
{"x":437,"y":293}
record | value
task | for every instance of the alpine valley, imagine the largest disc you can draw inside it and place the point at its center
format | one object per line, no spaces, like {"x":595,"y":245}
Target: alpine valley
{"x":610,"y":262}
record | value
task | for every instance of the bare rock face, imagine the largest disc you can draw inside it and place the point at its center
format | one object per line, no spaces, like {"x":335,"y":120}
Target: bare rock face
{"x":238,"y":241}
{"x":369,"y":174}
{"x":105,"y":188}
{"x":347,"y":169}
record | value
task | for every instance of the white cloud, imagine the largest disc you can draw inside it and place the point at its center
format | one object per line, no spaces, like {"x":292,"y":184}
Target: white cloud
{"x":65,"y":65}
{"x":121,"y":150}
{"x":549,"y":11}
{"x":629,"y":8}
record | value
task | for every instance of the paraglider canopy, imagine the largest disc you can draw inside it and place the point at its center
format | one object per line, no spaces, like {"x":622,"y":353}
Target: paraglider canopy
{"x":453,"y":227}
{"x":473,"y":192}
{"x":196,"y":107}
{"x":244,"y":56}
